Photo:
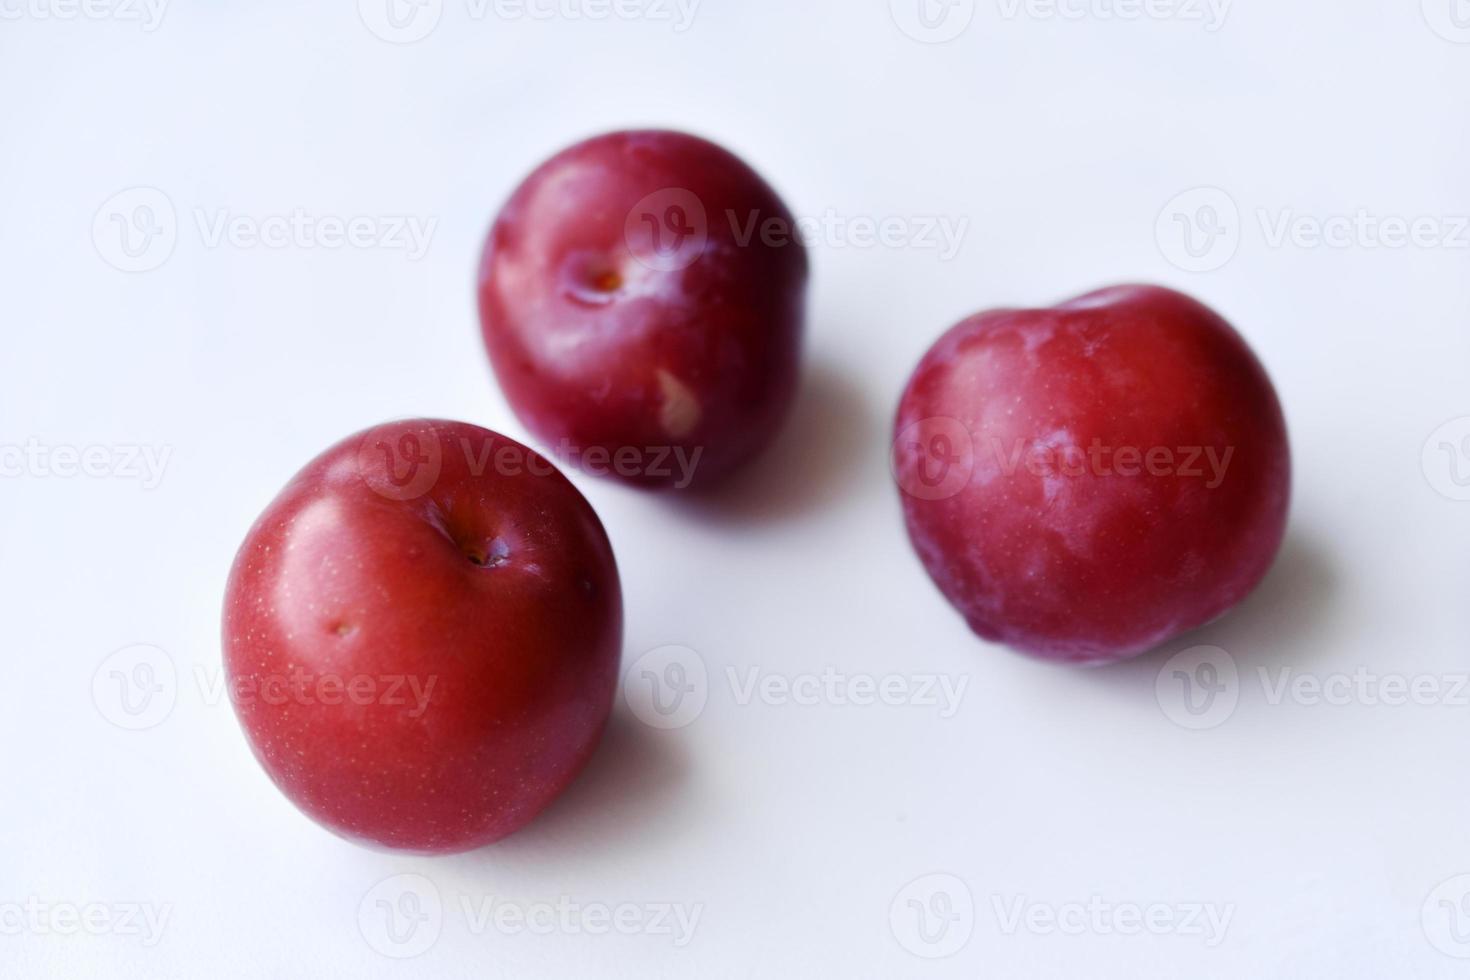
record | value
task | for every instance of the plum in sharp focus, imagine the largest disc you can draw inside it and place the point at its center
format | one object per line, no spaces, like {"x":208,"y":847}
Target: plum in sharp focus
{"x":421,"y":636}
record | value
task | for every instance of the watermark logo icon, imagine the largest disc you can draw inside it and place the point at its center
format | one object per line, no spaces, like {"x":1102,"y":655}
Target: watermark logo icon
{"x":1199,"y":230}
{"x":933,"y":916}
{"x":1199,"y":688}
{"x":1450,"y":19}
{"x":668,"y":230}
{"x":400,"y":462}
{"x":135,"y":230}
{"x":401,"y":21}
{"x":668,"y":687}
{"x":1446,"y":917}
{"x":401,"y":917}
{"x":1446,"y":459}
{"x":934,"y":458}
{"x":933,"y":21}
{"x":136,"y":687}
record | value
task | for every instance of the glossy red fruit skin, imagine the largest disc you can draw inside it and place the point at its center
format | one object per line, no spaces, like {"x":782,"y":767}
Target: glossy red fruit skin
{"x":605,"y":338}
{"x":472,"y":588}
{"x":1079,"y":556}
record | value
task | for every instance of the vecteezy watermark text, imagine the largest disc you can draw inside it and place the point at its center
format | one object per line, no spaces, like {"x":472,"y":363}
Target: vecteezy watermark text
{"x":934,"y":916}
{"x":148,"y":14}
{"x":1201,"y":688}
{"x":407,"y":233}
{"x":137,"y":687}
{"x":671,"y":229}
{"x":143,"y":920}
{"x":938,"y":457}
{"x":403,"y":916}
{"x":1049,"y":460}
{"x":655,"y":462}
{"x":137,"y":230}
{"x":1210,"y":14}
{"x":1202,"y":229}
{"x":403,"y":461}
{"x":1097,"y":916}
{"x":299,"y":687}
{"x":932,"y":232}
{"x":669,"y":687}
{"x":940,"y":21}
{"x":410,"y":21}
{"x":37,"y":460}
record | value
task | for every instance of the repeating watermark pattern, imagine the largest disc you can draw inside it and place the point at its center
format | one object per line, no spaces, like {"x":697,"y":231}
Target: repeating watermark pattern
{"x":147,"y":14}
{"x":401,"y":21}
{"x":934,"y":458}
{"x":933,"y":917}
{"x":301,"y":229}
{"x":1363,"y":687}
{"x":410,"y":21}
{"x":411,"y":692}
{"x":670,"y":230}
{"x":1450,"y":19}
{"x":404,"y":916}
{"x":33,"y":459}
{"x":1057,"y":457}
{"x":137,"y":230}
{"x":941,"y":693}
{"x":1446,"y":459}
{"x":1201,"y":688}
{"x":1201,"y":230}
{"x":401,"y":917}
{"x":1446,"y":917}
{"x":942,"y":234}
{"x":143,"y":921}
{"x":1098,"y":916}
{"x":932,"y":21}
{"x":138,"y":688}
{"x":405,"y":463}
{"x":940,"y":21}
{"x":938,"y":457}
{"x":675,"y":922}
{"x":1209,"y":14}
{"x":669,"y":687}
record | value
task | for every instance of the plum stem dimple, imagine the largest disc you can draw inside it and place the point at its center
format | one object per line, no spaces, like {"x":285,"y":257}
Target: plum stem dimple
{"x":592,"y":277}
{"x":496,"y":552}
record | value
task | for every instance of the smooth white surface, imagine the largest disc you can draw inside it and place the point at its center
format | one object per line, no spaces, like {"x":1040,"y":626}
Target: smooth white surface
{"x":1322,"y":830}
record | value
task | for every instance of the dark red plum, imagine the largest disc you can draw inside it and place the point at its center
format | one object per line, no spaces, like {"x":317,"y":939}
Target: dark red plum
{"x":421,"y":636}
{"x":1087,"y":482}
{"x":642,"y":298}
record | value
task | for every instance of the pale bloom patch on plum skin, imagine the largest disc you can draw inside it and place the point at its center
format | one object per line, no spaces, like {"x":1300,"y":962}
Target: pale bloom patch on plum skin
{"x":1012,"y":551}
{"x":679,"y":413}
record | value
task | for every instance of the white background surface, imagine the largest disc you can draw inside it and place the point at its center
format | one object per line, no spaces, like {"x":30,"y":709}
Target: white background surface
{"x":1322,"y":830}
